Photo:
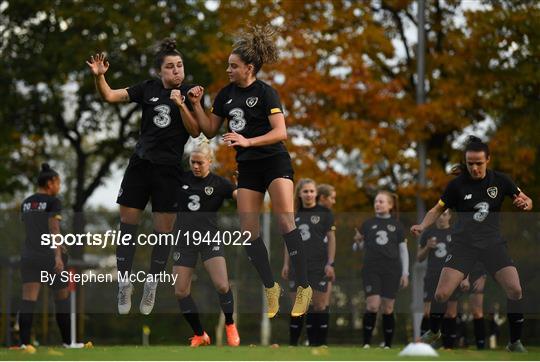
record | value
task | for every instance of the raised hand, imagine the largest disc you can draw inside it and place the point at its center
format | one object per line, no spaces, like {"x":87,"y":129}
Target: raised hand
{"x":177,"y":97}
{"x":98,"y":64}
{"x":195,"y":94}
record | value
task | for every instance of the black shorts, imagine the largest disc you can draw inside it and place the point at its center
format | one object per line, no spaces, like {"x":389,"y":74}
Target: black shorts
{"x":381,"y":279}
{"x":430,"y":286}
{"x":257,"y":175}
{"x":188,"y":255}
{"x":145,"y":181}
{"x":463,"y":258}
{"x":316,"y":278}
{"x":32,"y":268}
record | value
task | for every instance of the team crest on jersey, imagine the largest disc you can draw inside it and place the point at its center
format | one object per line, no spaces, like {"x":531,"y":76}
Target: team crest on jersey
{"x":448,"y":238}
{"x":492,"y":192}
{"x":368,"y":288}
{"x":251,"y":101}
{"x":391,"y":228}
{"x":176,"y":256}
{"x":209,"y":190}
{"x":315,"y":219}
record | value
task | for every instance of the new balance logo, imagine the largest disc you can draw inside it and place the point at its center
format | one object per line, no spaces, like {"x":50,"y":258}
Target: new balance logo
{"x":229,"y":101}
{"x":467,"y":197}
{"x":154,"y":99}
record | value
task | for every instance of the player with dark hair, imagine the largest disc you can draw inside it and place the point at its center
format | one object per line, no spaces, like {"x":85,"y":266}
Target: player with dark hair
{"x":316,"y":224}
{"x":154,"y":169}
{"x":202,"y":194}
{"x":477,"y":195}
{"x":257,"y":131}
{"x":386,"y":264}
{"x":41,"y":214}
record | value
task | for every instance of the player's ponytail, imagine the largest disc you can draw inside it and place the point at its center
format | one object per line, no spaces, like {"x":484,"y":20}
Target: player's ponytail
{"x":203,"y":147}
{"x":475,"y":144}
{"x":298,"y":188}
{"x":46,"y":174}
{"x":165,"y":48}
{"x":256,"y":46}
{"x":324,"y":190}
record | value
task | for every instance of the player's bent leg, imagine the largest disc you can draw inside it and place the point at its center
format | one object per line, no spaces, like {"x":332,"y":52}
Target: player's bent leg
{"x":448,"y":282}
{"x":217,"y":269}
{"x":508,"y":278}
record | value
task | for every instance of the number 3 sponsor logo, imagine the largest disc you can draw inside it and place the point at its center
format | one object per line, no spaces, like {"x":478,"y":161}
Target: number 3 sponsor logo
{"x":163,"y":118}
{"x":237,"y":122}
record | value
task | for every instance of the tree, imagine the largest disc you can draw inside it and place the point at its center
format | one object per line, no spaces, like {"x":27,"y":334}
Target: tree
{"x":52,"y":95}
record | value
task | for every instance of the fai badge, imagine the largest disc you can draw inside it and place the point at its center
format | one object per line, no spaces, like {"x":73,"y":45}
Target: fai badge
{"x":251,"y":101}
{"x":391,"y":228}
{"x":209,"y":190}
{"x":315,"y":219}
{"x":492,"y":192}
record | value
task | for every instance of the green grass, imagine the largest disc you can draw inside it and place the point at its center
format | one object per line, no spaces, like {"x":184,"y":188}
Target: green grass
{"x":135,"y":353}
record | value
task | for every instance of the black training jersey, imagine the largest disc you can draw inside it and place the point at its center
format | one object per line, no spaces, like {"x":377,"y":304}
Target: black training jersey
{"x":478,"y":203}
{"x":314,"y":224}
{"x":436,"y":256}
{"x":162,"y":135}
{"x":247,"y":110}
{"x":381,"y":239}
{"x":200,"y":199}
{"x":36,"y":211}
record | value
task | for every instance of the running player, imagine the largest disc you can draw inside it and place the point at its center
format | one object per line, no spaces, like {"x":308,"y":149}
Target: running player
{"x":41,"y":214}
{"x":386,"y":265}
{"x":154,"y":169}
{"x":201,"y":195}
{"x":257,"y":131}
{"x":477,"y":195}
{"x":316,"y":224}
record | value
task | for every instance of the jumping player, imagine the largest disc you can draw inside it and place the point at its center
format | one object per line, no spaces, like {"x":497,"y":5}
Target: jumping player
{"x":154,"y":169}
{"x":257,"y":131}
{"x":201,"y":195}
{"x":386,"y":265}
{"x":316,"y":224}
{"x":477,"y":195}
{"x":41,"y":214}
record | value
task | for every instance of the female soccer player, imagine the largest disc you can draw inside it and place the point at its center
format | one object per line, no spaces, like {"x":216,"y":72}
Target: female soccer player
{"x":41,"y":214}
{"x":154,"y":169}
{"x":477,"y":195}
{"x":201,"y":195}
{"x":386,"y":265}
{"x":326,"y":196}
{"x":316,"y":224}
{"x":257,"y":131}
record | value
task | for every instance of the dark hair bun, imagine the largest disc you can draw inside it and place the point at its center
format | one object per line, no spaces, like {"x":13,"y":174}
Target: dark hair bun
{"x":473,"y":139}
{"x":168,"y":45}
{"x":45,"y":167}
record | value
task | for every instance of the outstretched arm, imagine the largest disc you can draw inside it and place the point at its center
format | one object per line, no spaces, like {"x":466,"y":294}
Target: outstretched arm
{"x":99,"y":65}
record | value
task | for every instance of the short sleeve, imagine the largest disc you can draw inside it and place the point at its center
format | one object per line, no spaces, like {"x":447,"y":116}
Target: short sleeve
{"x":271,"y":102}
{"x":136,"y":92}
{"x":509,"y":186}
{"x":219,"y":101}
{"x":54,"y":208}
{"x":330,"y":222}
{"x":450,"y":195}
{"x":228,"y":188}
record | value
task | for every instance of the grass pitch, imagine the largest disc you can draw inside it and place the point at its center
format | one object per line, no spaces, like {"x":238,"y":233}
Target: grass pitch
{"x":245,"y":353}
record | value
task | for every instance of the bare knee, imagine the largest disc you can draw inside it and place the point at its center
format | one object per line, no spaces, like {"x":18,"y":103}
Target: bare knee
{"x":387,"y":308}
{"x":514,"y":292}
{"x":222,"y":288}
{"x":442,"y":296}
{"x":477,"y":314}
{"x":181,"y":293}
